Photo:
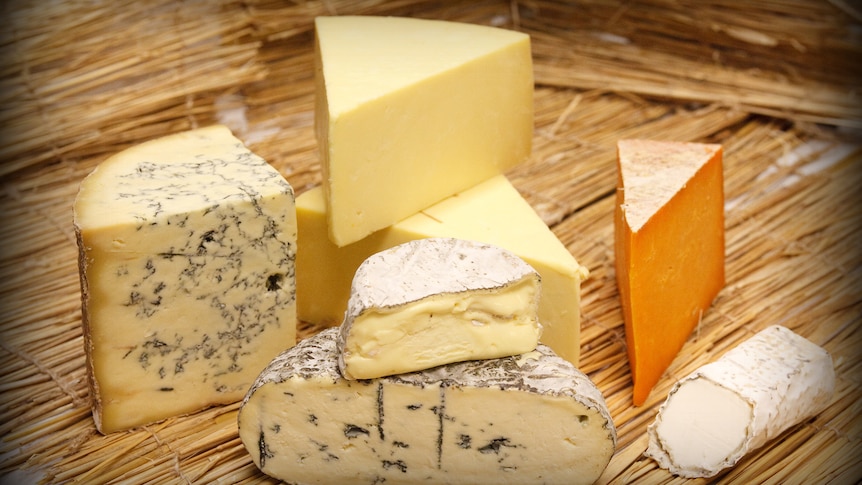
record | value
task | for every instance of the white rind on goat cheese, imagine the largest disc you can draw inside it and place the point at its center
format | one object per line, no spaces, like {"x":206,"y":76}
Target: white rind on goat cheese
{"x":714,"y":416}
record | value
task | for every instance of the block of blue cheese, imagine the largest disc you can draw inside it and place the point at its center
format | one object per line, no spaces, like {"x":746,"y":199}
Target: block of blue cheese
{"x":186,"y":247}
{"x":435,"y":301}
{"x":530,"y":418}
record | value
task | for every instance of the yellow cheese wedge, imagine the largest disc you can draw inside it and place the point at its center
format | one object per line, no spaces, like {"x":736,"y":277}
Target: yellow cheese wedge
{"x":669,"y":241}
{"x":492,"y":212}
{"x":410,"y":111}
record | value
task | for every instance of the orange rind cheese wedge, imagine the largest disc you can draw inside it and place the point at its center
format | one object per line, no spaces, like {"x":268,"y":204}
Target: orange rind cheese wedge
{"x":669,"y":248}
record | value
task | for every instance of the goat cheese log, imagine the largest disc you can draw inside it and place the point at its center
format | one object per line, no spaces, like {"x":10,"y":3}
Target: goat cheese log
{"x":753,"y":393}
{"x":436,"y":301}
{"x":532,"y":418}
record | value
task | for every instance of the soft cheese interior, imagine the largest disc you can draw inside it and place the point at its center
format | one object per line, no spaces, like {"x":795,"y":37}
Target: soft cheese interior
{"x":441,"y":329}
{"x":433,"y":301}
{"x":704,"y":423}
{"x":531,"y":418}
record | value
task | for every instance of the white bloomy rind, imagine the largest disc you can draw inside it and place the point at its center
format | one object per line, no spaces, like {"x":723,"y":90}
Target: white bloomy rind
{"x":714,"y":416}
{"x":435,"y":301}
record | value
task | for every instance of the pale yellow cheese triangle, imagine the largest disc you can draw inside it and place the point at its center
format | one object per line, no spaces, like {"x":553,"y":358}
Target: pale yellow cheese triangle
{"x":411,"y":111}
{"x":367,"y":57}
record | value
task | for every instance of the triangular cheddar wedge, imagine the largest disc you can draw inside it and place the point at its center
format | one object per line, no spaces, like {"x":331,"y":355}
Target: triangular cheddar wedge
{"x":410,"y":111}
{"x":669,"y":248}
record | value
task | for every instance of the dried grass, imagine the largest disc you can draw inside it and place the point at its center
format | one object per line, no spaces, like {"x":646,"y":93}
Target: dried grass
{"x":82,"y":80}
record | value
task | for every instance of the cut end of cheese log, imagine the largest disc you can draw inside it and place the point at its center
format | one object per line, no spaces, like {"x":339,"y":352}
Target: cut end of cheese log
{"x":186,"y":252}
{"x":669,"y":248}
{"x":413,"y":111}
{"x":437,"y":301}
{"x":532,"y":418}
{"x":725,"y":409}
{"x":492,"y":212}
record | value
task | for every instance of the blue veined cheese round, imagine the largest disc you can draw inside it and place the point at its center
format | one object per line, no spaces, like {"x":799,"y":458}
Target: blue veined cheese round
{"x":530,"y":418}
{"x":435,"y":301}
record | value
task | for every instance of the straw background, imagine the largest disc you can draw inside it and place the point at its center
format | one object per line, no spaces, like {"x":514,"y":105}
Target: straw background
{"x":777,"y":83}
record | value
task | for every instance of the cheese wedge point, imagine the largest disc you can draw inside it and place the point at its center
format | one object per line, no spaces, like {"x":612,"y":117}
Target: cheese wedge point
{"x":437,"y":301}
{"x":531,"y":418}
{"x":410,"y":111}
{"x":186,"y":252}
{"x":669,"y":248}
{"x":725,"y":409}
{"x":492,"y":212}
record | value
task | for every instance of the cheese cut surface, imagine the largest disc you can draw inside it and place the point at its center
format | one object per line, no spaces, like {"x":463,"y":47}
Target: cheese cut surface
{"x":714,"y":416}
{"x":492,"y":212}
{"x":410,"y":111}
{"x":437,"y":301}
{"x":532,"y":418}
{"x":669,"y":248}
{"x":187,"y":247}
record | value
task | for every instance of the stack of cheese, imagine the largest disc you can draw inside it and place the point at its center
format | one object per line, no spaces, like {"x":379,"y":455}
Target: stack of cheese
{"x":191,"y":271}
{"x":435,"y":375}
{"x":195,"y":260}
{"x":417,"y":120}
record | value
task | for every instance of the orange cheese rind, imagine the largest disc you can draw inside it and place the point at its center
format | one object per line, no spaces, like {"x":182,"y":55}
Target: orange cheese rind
{"x":669,"y":248}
